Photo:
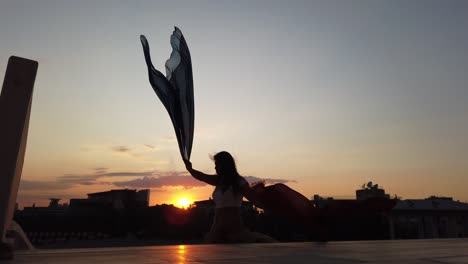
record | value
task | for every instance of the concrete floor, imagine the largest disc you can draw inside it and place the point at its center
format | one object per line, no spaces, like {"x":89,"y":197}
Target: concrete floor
{"x":396,"y":251}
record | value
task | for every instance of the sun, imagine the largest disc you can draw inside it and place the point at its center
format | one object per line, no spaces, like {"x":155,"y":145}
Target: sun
{"x":183,"y":202}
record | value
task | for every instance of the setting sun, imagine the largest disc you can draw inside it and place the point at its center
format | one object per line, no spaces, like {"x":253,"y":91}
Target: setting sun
{"x":183,"y":202}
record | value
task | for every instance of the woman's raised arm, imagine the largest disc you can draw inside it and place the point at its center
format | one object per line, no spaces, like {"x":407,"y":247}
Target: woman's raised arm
{"x":210,"y":179}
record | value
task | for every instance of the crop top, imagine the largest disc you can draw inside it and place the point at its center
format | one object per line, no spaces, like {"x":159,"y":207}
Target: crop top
{"x":228,"y":198}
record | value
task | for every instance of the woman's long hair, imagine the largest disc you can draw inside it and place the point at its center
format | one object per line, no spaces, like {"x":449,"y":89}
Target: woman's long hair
{"x":227,"y":171}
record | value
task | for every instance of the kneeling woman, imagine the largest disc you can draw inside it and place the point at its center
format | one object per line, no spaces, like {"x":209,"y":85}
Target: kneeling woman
{"x":230,"y":189}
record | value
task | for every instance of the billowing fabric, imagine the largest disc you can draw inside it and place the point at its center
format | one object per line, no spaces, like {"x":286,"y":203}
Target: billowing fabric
{"x":175,"y":90}
{"x":283,"y":201}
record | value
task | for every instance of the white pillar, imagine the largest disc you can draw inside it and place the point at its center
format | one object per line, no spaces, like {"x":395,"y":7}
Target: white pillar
{"x":15,"y":108}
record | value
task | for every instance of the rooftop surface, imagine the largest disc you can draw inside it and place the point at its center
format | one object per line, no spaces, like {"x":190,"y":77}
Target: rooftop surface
{"x":394,"y":251}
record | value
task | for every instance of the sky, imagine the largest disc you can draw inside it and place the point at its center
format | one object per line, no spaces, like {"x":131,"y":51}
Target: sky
{"x":321,"y":95}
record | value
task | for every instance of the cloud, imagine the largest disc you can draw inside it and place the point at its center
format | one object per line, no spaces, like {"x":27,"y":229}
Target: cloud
{"x":141,"y":153}
{"x":120,"y":149}
{"x":61,"y":183}
{"x":186,"y":182}
{"x":90,"y":179}
{"x":143,"y":179}
{"x":181,"y":180}
{"x":28,"y":185}
{"x":69,"y":180}
{"x":150,"y":179}
{"x":267,"y":180}
{"x":143,"y":149}
{"x":126,"y":174}
{"x":100,"y":169}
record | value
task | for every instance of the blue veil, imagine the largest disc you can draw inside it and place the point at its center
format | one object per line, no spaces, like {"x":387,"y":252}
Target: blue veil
{"x":175,"y":90}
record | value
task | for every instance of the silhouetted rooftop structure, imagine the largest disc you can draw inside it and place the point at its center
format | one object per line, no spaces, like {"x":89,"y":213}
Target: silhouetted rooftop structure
{"x":433,"y":217}
{"x":431,"y":203}
{"x":370,"y":190}
{"x":118,"y":199}
{"x":205,"y":204}
{"x":54,"y":202}
{"x":54,"y":208}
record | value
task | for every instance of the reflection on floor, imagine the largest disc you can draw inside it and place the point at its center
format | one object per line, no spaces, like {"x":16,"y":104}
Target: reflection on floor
{"x":396,"y":251}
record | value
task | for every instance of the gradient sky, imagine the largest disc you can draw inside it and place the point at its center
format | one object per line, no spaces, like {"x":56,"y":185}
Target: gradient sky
{"x":325,"y":95}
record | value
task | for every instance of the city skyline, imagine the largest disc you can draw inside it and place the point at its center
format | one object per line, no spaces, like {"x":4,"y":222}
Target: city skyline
{"x":321,"y":95}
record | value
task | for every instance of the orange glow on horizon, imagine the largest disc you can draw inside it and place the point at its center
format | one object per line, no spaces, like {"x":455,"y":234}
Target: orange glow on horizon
{"x":183,"y":202}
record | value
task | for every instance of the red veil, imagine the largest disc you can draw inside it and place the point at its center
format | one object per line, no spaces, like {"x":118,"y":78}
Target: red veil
{"x":283,"y":201}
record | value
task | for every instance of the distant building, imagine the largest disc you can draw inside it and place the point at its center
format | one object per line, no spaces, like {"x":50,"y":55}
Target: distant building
{"x":433,"y":217}
{"x":207,"y":204}
{"x":322,"y":202}
{"x":54,"y":202}
{"x":363,"y":218}
{"x":370,"y":190}
{"x":117,"y":199}
{"x":54,"y":208}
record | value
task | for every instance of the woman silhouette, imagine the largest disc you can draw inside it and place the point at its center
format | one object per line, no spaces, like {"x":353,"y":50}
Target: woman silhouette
{"x":230,"y":188}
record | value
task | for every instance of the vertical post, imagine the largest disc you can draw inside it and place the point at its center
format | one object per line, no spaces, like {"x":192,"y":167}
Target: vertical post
{"x":392,"y":226}
{"x":15,"y":109}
